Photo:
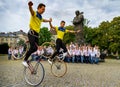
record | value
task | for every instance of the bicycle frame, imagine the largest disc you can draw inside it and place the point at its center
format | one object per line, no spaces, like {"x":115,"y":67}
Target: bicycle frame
{"x":31,"y":68}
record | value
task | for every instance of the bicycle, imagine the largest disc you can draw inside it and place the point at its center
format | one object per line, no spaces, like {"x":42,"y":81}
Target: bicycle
{"x":35,"y":72}
{"x":58,"y":67}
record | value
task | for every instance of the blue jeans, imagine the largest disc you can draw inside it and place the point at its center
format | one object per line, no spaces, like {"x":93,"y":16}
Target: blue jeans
{"x":82,"y":58}
{"x":34,"y":56}
{"x":96,"y":60}
{"x":67,"y":59}
{"x":92,"y":60}
{"x":89,"y":59}
{"x":78,"y":58}
{"x":86,"y":59}
{"x":9,"y":56}
{"x":73,"y":59}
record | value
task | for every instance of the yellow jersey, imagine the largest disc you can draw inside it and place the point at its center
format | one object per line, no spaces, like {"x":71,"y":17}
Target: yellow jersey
{"x":35,"y":22}
{"x":60,"y":32}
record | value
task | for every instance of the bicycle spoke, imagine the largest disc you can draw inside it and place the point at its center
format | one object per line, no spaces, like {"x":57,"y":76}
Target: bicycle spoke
{"x":58,"y":68}
{"x":37,"y":76}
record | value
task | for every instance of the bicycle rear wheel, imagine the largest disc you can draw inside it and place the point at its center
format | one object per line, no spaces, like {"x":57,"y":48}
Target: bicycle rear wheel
{"x":36,"y":76}
{"x":19,"y":50}
{"x":58,"y":67}
{"x":49,"y":48}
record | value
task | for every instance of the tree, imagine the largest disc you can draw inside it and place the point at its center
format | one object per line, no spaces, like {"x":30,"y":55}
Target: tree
{"x":102,"y":33}
{"x":45,"y":35}
{"x":106,"y":35}
{"x":69,"y":37}
{"x":21,"y":42}
{"x":88,"y":34}
{"x":114,"y":37}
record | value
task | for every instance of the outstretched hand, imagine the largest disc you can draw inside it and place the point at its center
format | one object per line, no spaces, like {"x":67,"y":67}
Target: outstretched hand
{"x":78,"y":31}
{"x":30,"y":3}
{"x":50,"y":20}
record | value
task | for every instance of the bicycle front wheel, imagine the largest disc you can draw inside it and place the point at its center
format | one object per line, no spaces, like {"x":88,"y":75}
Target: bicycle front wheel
{"x":35,"y":75}
{"x":58,"y":67}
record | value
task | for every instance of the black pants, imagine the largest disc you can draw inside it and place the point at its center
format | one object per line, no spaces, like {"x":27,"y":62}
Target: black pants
{"x":33,"y":43}
{"x":59,"y":44}
{"x":86,"y":59}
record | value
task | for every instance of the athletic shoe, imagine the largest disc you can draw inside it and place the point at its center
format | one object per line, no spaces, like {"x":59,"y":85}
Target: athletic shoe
{"x":25,"y":63}
{"x":49,"y":61}
{"x":64,"y":54}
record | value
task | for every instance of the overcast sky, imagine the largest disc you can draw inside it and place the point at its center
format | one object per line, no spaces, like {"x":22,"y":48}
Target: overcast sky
{"x":14,"y":14}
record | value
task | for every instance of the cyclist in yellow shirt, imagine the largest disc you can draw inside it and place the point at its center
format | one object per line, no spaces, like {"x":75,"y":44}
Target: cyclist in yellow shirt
{"x":60,"y":34}
{"x":35,"y":24}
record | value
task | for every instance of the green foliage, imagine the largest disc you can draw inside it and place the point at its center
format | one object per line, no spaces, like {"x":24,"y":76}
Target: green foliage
{"x":21,"y":42}
{"x":106,"y":36}
{"x":88,"y":34}
{"x":114,"y":47}
{"x":45,"y":35}
{"x":70,"y":27}
{"x":69,"y":37}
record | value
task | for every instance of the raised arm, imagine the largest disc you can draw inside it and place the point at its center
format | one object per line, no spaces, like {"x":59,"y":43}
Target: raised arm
{"x":45,"y":20}
{"x":30,"y":4}
{"x":51,"y":26}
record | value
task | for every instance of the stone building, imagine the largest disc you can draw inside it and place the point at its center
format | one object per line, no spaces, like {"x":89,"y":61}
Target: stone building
{"x":12,"y":37}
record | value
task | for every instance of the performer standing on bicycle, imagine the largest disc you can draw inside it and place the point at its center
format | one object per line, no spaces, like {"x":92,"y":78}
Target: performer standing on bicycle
{"x":35,"y":23}
{"x":59,"y":42}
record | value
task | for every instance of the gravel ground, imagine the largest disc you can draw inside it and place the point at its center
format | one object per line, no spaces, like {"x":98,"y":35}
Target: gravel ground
{"x":78,"y":75}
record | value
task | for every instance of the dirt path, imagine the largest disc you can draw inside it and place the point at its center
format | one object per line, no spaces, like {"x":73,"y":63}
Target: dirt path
{"x":78,"y":75}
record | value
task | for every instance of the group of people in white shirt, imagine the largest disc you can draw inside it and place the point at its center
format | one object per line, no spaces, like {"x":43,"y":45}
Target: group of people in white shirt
{"x":83,"y":54}
{"x":42,"y":50}
{"x":76,"y":53}
{"x":17,"y":51}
